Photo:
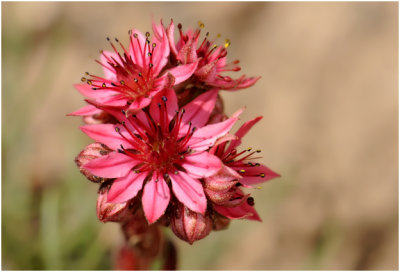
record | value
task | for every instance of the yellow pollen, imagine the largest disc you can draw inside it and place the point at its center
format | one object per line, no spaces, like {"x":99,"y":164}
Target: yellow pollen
{"x":201,"y":24}
{"x":227,"y":43}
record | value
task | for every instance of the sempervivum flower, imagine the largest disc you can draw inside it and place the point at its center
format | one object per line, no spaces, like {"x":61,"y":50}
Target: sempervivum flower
{"x":210,"y":57}
{"x":239,"y":169}
{"x":159,"y":149}
{"x":134,"y":76}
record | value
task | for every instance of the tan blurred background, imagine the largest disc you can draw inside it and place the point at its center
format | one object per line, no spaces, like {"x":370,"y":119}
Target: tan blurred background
{"x":328,"y":94}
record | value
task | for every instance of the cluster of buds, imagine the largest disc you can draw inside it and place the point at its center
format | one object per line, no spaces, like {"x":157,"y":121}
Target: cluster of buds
{"x":163,"y":152}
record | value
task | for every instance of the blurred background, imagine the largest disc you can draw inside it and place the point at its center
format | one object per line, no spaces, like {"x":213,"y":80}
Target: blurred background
{"x":328,"y":94}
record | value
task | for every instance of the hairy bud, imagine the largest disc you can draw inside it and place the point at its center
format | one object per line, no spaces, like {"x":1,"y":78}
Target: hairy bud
{"x":190,"y":226}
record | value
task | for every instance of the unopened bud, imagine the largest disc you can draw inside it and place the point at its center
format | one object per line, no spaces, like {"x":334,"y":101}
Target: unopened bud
{"x":100,"y":118}
{"x":220,"y":222}
{"x":91,"y":152}
{"x":111,"y":212}
{"x":190,"y":226}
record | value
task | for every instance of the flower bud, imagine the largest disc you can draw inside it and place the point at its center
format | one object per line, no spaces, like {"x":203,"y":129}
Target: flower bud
{"x":220,"y":188}
{"x":220,"y":222}
{"x":111,"y":212}
{"x":91,"y":152}
{"x":190,"y":226}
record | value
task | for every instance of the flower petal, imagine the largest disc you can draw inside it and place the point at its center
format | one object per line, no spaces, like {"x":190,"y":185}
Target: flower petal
{"x":113,"y":165}
{"x":113,"y":101}
{"x":242,"y":131}
{"x":206,"y":136}
{"x":198,"y":111}
{"x":86,"y":90}
{"x":189,"y":191}
{"x":136,"y":48}
{"x":106,"y":134}
{"x":171,"y":39}
{"x":155,"y":198}
{"x":244,"y":211}
{"x":255,"y":174}
{"x":201,"y":164}
{"x":183,"y":72}
{"x":157,"y":105}
{"x":105,"y":58}
{"x":126,"y":187}
{"x":161,"y":51}
{"x":85,"y":111}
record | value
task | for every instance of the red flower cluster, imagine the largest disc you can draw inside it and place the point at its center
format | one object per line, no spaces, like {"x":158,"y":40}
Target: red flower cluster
{"x":162,"y":147}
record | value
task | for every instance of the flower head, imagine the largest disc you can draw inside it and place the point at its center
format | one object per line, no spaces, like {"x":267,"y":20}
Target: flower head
{"x":211,"y":58}
{"x":134,"y":75}
{"x":160,"y":148}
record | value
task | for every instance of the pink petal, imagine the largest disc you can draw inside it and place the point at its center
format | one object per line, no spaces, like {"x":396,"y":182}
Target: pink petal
{"x":171,"y":39}
{"x":187,"y":54}
{"x":113,"y":165}
{"x":201,"y":164}
{"x":136,"y":48}
{"x":106,"y":134}
{"x":155,"y":198}
{"x":113,"y":101}
{"x":255,"y":174}
{"x":161,"y":51}
{"x":86,"y":90}
{"x":189,"y":191}
{"x":140,"y":103}
{"x":244,"y":211}
{"x":222,"y":140}
{"x":206,"y":136}
{"x":126,"y":187}
{"x":198,"y":111}
{"x":242,"y":131}
{"x":183,"y":72}
{"x":234,"y":85}
{"x":85,"y":111}
{"x":109,"y":72}
{"x":171,"y":105}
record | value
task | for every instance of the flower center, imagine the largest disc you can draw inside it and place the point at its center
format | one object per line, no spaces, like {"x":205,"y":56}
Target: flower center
{"x":156,"y":145}
{"x":132,"y":79}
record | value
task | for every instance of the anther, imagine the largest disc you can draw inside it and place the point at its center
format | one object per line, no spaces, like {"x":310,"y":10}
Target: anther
{"x":135,"y":35}
{"x":250,"y":201}
{"x":154,"y":44}
{"x":242,"y":171}
{"x":103,"y":85}
{"x":122,"y":82}
{"x":89,"y":82}
{"x":147,"y":34}
{"x":257,"y":164}
{"x":83,"y":79}
{"x":87,"y":73}
{"x":116,"y":40}
{"x":123,"y":123}
{"x":137,"y":171}
{"x":140,"y":74}
{"x":262,"y":175}
{"x":147,"y":41}
{"x":208,"y":33}
{"x":108,"y":39}
{"x":151,"y":65}
{"x":149,"y":54}
{"x":136,"y":80}
{"x":180,"y":26}
{"x":200,"y":23}
{"x":164,"y":98}
{"x":112,"y":84}
{"x":258,"y":151}
{"x":130,"y":31}
{"x":183,"y":111}
{"x":227,"y":43}
{"x":159,"y":105}
{"x":117,"y":129}
{"x":249,"y":149}
{"x":176,"y":172}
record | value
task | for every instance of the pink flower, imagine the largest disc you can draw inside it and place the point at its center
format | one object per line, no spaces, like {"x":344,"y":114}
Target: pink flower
{"x":239,"y":169}
{"x":158,"y":149}
{"x":133,"y":77}
{"x":210,"y":57}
